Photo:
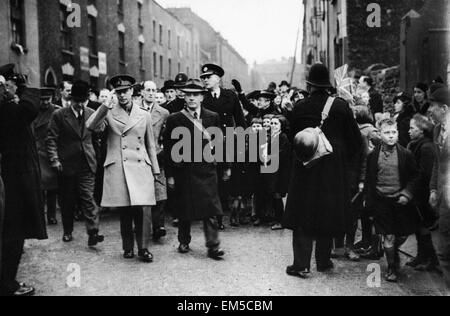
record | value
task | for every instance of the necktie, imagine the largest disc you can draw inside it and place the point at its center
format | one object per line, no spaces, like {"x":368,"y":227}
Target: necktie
{"x":195,"y":115}
{"x":215,"y":96}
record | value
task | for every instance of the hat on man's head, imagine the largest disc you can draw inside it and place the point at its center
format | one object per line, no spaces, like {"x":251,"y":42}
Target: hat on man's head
{"x":194,"y":86}
{"x":212,"y":69}
{"x":267,"y":94}
{"x":80,"y":91}
{"x":253,"y":95}
{"x":168,"y":85}
{"x":284,"y":83}
{"x":441,"y":95}
{"x":180,"y":80}
{"x":319,"y":76}
{"x":122,"y":82}
{"x":435,"y":86}
{"x":47,"y":93}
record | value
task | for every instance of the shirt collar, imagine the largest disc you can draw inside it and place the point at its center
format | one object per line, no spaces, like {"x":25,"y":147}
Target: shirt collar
{"x":82,"y":110}
{"x":198,"y":111}
{"x":216,"y":92}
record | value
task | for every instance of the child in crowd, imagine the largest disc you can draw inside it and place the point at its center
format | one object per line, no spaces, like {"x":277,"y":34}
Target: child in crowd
{"x":391,"y":180}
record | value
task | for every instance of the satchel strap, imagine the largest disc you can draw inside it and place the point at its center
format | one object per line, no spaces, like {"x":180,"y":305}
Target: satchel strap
{"x":326,"y":110}
{"x":198,"y":125}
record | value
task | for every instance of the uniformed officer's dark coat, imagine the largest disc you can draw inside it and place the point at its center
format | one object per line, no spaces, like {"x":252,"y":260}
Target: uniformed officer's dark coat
{"x":24,"y":208}
{"x":319,"y":197}
{"x":2,"y":210}
{"x":228,"y":108}
{"x":40,"y":126}
{"x":196,"y":184}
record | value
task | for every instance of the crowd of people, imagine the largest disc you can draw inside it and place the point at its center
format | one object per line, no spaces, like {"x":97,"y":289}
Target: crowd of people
{"x":344,"y":163}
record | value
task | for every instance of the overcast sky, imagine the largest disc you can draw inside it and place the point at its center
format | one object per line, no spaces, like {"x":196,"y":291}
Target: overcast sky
{"x":259,"y":29}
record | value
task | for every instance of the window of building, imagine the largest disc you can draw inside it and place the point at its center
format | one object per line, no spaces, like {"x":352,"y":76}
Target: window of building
{"x":140,"y":22}
{"x":170,"y":68}
{"x":92,"y":33}
{"x":18,"y":21}
{"x":141,"y":56}
{"x":187,"y":49}
{"x":188,"y":71}
{"x":155,"y":66}
{"x":122,"y":47}
{"x":154,"y":31}
{"x":161,"y":66}
{"x":160,"y":34}
{"x":169,"y":39}
{"x":179,"y":67}
{"x":178,"y":43}
{"x":120,"y":8}
{"x":66,"y":31}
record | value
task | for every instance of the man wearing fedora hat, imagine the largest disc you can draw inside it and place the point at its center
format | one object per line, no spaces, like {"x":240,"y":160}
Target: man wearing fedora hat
{"x":195,"y":184}
{"x":319,"y":196}
{"x":179,"y":102}
{"x":169,"y":90}
{"x":23,"y":209}
{"x":131,"y":165}
{"x":72,"y":155}
{"x":225,"y":103}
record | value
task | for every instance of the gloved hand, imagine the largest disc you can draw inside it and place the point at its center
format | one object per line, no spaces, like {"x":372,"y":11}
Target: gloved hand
{"x":237,"y":85}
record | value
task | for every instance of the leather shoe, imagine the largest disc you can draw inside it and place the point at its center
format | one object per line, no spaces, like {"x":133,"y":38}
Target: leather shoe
{"x":24,"y":290}
{"x":183,"y":248}
{"x":67,"y":238}
{"x":145,"y":255}
{"x":94,"y":239}
{"x":216,"y":254}
{"x":302,"y":273}
{"x":128,"y":254}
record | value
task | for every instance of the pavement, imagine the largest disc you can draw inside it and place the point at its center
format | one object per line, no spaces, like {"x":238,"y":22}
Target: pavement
{"x":254,"y":265}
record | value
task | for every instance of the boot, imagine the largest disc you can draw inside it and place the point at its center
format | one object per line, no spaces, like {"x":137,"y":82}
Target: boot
{"x":420,"y":258}
{"x":430,"y":261}
{"x":391,"y":257}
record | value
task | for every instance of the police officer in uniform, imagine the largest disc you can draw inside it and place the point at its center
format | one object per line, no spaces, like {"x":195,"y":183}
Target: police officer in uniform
{"x":226,"y":104}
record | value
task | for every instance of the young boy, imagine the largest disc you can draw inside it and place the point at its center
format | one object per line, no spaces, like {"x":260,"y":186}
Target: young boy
{"x":391,"y":180}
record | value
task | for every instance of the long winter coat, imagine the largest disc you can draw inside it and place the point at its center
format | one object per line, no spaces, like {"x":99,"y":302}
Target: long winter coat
{"x":196,"y":184}
{"x":24,"y":208}
{"x":2,"y":211}
{"x":131,"y":161}
{"x":440,"y":179}
{"x":40,"y":126}
{"x":424,"y":152}
{"x":319,"y":197}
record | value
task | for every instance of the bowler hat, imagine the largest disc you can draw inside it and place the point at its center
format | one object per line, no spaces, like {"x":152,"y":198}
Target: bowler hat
{"x":284,"y":83}
{"x":212,"y":69}
{"x":194,"y":86}
{"x":180,"y":80}
{"x":441,"y":95}
{"x":305,"y":144}
{"x":80,"y":91}
{"x":122,"y":82}
{"x":168,"y":85}
{"x":319,"y":76}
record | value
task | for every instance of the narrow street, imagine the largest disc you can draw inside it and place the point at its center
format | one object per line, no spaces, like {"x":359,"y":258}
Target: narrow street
{"x":254,"y":265}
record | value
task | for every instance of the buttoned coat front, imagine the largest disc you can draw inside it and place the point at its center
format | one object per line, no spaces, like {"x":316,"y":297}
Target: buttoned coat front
{"x":131,"y":161}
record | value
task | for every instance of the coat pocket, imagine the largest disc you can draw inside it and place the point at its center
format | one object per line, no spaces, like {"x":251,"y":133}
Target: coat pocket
{"x":108,"y":163}
{"x":147,"y":161}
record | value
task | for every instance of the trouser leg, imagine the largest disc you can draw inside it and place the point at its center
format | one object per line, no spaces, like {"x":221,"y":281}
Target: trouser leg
{"x":147,"y":230}
{"x":51,"y":196}
{"x":211,"y":231}
{"x":86,"y":185}
{"x":444,"y":255}
{"x":126,"y":228}
{"x":303,"y":247}
{"x":323,"y":251}
{"x":138,"y":219}
{"x":68,"y":192}
{"x":184,"y":232}
{"x":366,"y":225}
{"x":279,"y":209}
{"x":11,"y":256}
{"x":158,"y":215}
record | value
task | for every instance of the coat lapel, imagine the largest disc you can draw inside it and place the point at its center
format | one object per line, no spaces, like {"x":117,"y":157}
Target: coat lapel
{"x":156,"y":115}
{"x":135,"y":117}
{"x":72,"y":121}
{"x":120,"y":115}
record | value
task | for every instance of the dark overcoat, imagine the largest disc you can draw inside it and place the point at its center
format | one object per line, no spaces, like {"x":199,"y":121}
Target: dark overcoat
{"x":40,"y":126}
{"x":196,"y":183}
{"x":409,"y":180}
{"x":424,"y":152}
{"x":24,"y":208}
{"x":319,"y":197}
{"x":2,"y":211}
